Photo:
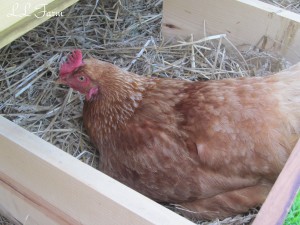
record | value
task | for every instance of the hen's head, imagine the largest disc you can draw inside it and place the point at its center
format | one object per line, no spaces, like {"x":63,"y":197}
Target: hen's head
{"x":73,"y":74}
{"x":94,"y":78}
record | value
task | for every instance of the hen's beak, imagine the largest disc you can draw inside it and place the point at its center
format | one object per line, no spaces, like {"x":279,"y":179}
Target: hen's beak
{"x":60,"y":81}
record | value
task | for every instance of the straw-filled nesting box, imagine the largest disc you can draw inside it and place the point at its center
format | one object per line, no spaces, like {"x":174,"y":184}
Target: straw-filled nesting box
{"x":39,"y":183}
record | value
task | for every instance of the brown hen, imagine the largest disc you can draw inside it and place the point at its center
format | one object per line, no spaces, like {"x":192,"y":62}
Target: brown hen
{"x":215,"y":147}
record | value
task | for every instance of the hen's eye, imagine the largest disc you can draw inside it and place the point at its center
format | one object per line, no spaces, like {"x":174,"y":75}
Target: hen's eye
{"x":81,"y":78}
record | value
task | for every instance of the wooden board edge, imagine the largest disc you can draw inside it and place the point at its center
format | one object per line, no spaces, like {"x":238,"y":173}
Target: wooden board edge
{"x":29,"y":22}
{"x":282,"y":194}
{"x":272,"y":9}
{"x":49,"y":186}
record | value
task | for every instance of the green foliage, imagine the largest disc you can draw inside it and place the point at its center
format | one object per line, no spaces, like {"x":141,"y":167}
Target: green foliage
{"x":293,"y":217}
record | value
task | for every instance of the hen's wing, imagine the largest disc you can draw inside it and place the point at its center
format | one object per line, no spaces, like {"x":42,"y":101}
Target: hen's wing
{"x":237,"y":126}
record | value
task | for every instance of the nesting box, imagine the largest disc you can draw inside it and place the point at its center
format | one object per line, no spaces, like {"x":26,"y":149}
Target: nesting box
{"x":40,"y":184}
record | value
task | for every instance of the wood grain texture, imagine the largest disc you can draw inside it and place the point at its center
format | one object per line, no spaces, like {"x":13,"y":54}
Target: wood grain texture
{"x":40,"y":184}
{"x":280,"y":199}
{"x":245,"y":22}
{"x":19,"y":17}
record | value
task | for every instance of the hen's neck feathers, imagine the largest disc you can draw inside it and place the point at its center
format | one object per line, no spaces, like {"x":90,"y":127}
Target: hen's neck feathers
{"x":119,"y":95}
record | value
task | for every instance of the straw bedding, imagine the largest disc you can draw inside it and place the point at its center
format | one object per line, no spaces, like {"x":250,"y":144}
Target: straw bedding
{"x":126,"y":33}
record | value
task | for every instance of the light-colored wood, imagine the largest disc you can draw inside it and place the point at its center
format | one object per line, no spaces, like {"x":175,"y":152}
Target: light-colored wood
{"x":41,"y":184}
{"x":245,"y":22}
{"x":19,"y":17}
{"x":280,"y":199}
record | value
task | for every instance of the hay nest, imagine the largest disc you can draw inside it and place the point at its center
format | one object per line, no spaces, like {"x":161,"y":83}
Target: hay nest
{"x":126,"y":33}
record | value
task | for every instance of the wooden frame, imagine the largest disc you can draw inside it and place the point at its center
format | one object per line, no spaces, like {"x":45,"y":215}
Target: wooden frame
{"x":245,"y":22}
{"x":40,"y":184}
{"x":19,"y":17}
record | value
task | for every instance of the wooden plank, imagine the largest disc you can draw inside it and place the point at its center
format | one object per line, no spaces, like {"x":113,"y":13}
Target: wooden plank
{"x":41,"y":184}
{"x":19,"y":17}
{"x":245,"y":22}
{"x":280,"y":199}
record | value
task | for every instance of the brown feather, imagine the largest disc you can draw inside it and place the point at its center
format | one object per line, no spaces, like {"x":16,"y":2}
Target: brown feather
{"x":214,"y":147}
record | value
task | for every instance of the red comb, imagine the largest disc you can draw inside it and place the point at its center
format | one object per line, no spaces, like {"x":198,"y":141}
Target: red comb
{"x":74,"y":61}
